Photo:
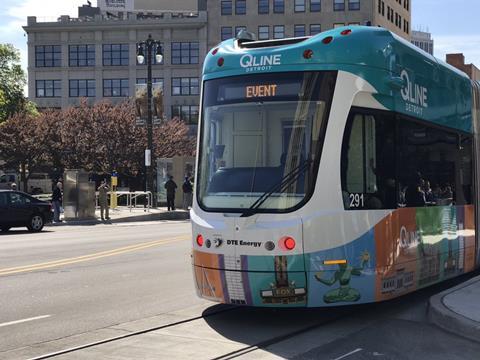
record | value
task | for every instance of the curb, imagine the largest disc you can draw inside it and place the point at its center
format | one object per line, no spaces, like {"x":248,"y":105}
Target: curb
{"x":173,"y":215}
{"x":447,"y":319}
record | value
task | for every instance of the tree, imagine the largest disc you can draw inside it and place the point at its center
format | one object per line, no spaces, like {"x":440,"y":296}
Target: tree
{"x":22,"y":145}
{"x":172,"y":139}
{"x":12,"y":81}
{"x":99,"y":138}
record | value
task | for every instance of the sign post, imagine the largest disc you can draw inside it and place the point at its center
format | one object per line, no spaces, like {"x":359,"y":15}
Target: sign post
{"x":113,"y":193}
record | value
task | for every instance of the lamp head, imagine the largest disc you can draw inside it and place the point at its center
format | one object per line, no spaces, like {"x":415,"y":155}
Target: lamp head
{"x":140,"y":55}
{"x":158,"y":54}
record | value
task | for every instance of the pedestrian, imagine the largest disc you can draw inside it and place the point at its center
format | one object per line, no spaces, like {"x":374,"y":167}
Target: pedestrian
{"x":57,"y":198}
{"x":187,"y":193}
{"x":103,"y":199}
{"x":171,"y":186}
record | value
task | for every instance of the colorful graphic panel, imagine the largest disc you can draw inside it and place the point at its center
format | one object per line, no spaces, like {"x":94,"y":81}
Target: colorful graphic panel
{"x":417,"y":247}
{"x":409,"y":249}
{"x":208,"y":281}
{"x":346,"y":283}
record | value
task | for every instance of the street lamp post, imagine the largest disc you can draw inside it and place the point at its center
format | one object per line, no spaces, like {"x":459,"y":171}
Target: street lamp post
{"x":149,"y":46}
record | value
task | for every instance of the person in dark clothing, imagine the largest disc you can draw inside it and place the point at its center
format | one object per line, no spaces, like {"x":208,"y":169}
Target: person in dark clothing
{"x":187,"y":193}
{"x":57,"y":198}
{"x":414,"y":195}
{"x":171,"y":186}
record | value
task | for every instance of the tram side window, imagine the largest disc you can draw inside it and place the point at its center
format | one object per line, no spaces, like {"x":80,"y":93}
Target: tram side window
{"x":368,"y":162}
{"x":435,"y":166}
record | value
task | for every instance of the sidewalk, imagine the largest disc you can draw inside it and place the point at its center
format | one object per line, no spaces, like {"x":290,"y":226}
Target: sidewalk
{"x":457,"y":309}
{"x":123,"y":214}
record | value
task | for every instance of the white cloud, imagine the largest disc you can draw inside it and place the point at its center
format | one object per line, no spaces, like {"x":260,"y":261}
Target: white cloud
{"x":469,"y":45}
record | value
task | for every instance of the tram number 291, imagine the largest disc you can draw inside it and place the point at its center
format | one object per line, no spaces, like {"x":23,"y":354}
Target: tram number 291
{"x":357,"y":201}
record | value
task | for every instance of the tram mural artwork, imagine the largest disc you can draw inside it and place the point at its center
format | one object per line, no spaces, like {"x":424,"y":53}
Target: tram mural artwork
{"x":349,"y":127}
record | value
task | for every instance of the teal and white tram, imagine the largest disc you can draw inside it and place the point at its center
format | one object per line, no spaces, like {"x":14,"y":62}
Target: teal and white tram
{"x":332,"y":170}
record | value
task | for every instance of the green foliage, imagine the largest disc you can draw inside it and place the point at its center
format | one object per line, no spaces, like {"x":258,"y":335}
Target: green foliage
{"x":12,"y":81}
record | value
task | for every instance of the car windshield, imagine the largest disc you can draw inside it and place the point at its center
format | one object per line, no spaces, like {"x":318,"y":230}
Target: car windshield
{"x":256,"y":130}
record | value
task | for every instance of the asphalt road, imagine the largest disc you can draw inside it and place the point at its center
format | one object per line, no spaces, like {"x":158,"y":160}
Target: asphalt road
{"x":60,"y":287}
{"x":70,"y":280}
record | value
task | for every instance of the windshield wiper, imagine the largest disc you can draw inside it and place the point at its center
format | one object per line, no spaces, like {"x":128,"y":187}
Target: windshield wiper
{"x":287,"y":180}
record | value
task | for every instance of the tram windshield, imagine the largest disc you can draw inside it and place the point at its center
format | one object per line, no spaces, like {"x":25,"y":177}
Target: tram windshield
{"x":262,"y":134}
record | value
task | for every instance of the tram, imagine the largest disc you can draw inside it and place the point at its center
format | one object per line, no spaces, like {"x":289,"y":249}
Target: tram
{"x":336,"y":169}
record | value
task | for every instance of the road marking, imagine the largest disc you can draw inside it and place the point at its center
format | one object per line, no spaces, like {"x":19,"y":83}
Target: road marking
{"x":350,"y":353}
{"x":90,"y":257}
{"x":24,"y":320}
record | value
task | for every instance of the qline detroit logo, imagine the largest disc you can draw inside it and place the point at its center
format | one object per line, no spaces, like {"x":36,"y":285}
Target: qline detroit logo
{"x":414,"y":95}
{"x":260,"y":63}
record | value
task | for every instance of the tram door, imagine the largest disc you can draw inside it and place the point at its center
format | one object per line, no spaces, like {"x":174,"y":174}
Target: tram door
{"x":476,"y":145}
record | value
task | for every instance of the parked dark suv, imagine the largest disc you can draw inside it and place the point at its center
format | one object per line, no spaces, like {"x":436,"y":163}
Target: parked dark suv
{"x":19,"y":209}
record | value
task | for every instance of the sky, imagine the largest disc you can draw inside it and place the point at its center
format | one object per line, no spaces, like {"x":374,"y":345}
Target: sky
{"x":453,"y":27}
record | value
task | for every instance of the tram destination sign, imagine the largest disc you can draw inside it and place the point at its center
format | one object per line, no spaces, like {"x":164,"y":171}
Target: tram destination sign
{"x":251,"y":91}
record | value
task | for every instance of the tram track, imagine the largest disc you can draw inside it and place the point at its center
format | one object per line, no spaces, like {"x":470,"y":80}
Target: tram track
{"x":231,"y":355}
{"x":129,"y":335}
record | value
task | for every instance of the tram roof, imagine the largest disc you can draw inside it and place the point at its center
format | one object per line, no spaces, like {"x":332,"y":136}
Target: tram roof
{"x":377,"y":55}
{"x":364,"y":45}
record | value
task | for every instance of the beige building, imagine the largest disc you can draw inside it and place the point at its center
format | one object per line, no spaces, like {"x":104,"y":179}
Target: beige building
{"x":270,"y":19}
{"x":94,"y":57}
{"x":423,"y":40}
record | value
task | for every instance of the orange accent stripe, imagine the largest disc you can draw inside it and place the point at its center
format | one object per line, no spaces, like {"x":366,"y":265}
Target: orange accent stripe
{"x":334,"y":262}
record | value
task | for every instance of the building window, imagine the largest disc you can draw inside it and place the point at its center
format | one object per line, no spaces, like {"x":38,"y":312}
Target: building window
{"x":263,"y":32}
{"x":299,"y":5}
{"x":240,"y":7}
{"x":154,"y":81}
{"x":48,"y":56}
{"x":353,"y":4}
{"x":299,"y":30}
{"x":278,"y":32}
{"x":154,"y":59}
{"x":115,"y":88}
{"x":82,"y":88}
{"x":263,"y":6}
{"x":185,"y":53}
{"x":226,"y":33}
{"x":48,"y":88}
{"x":81,"y":55}
{"x":338,"y":5}
{"x":315,"y":5}
{"x":315,"y":29}
{"x":185,"y":86}
{"x":279,"y":6}
{"x":115,"y":55}
{"x":239,"y":28}
{"x":337,"y":25}
{"x":406,"y":4}
{"x":226,"y":7}
{"x":187,"y":113}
